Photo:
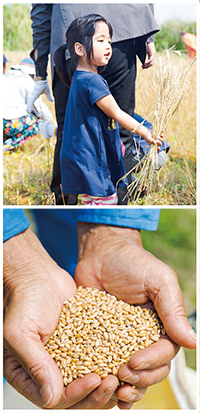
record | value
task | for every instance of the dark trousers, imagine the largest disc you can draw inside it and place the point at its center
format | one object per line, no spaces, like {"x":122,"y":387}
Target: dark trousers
{"x":120,"y":75}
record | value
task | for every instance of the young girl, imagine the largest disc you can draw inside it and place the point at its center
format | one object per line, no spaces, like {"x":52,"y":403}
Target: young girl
{"x":91,"y":154}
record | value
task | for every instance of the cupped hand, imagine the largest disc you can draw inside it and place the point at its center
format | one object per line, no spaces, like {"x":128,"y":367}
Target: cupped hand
{"x":113,"y":259}
{"x":34,"y":291}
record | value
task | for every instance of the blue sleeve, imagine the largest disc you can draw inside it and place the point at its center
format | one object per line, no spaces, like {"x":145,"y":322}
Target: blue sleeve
{"x":98,"y":88}
{"x":140,"y":218}
{"x":14,"y":222}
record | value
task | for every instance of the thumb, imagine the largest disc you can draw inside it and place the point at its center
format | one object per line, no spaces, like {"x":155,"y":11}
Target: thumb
{"x":30,"y":353}
{"x":169,"y":304}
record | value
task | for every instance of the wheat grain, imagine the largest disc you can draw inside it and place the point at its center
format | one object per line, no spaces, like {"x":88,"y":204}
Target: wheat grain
{"x":126,"y":329}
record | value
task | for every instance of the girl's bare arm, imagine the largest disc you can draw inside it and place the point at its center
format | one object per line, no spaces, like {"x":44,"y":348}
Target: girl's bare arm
{"x":110,"y":107}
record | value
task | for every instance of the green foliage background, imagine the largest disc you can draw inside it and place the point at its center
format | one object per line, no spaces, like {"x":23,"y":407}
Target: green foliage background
{"x":175,"y":243}
{"x":170,"y":34}
{"x":17,"y":31}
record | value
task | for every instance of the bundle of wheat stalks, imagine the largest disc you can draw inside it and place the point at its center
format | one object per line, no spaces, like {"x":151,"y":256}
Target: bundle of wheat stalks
{"x":170,"y":81}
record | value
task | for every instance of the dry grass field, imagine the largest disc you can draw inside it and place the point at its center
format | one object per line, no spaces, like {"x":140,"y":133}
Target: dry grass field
{"x":28,"y":170}
{"x":175,"y":183}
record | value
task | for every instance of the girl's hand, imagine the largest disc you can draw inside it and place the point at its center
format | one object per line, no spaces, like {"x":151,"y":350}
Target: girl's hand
{"x":148,"y":136}
{"x":159,"y":140}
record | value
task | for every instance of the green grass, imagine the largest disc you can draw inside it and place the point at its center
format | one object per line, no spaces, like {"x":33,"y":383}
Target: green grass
{"x":175,"y":243}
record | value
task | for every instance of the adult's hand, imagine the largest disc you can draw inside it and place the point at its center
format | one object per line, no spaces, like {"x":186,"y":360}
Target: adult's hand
{"x":151,"y":53}
{"x":34,"y":291}
{"x":47,"y":129}
{"x":40,"y":87}
{"x":113,"y":259}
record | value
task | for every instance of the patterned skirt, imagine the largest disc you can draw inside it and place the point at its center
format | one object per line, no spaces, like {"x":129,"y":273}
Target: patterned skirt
{"x":19,"y":130}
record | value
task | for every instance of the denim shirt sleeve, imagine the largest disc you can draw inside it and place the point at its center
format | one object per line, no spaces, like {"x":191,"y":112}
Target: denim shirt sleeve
{"x":140,"y":218}
{"x":41,"y":26}
{"x":14,"y":222}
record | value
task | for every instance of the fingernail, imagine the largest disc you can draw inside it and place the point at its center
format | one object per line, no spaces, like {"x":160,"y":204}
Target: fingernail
{"x":46,"y":394}
{"x":126,"y":377}
{"x":134,"y":378}
{"x":93,"y":387}
{"x":142,"y":366}
{"x":130,"y":398}
{"x":110,"y":391}
{"x":192,"y":334}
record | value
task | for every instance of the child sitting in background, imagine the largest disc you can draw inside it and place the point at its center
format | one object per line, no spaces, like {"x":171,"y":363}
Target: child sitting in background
{"x":18,"y":124}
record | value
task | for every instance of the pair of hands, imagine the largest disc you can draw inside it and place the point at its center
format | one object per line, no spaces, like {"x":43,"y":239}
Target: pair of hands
{"x":111,"y":259}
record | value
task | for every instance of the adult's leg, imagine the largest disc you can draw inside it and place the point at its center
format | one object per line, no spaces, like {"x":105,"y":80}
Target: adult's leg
{"x":161,"y":159}
{"x":61,"y":93}
{"x":121,"y":75}
{"x":138,"y":162}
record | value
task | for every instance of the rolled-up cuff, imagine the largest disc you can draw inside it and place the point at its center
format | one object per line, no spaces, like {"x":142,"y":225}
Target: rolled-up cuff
{"x":14,"y":222}
{"x":144,"y":219}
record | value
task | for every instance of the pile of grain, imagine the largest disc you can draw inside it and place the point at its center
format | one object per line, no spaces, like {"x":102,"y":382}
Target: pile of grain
{"x":98,"y":333}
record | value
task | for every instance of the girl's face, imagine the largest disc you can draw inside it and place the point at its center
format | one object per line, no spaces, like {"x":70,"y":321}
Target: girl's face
{"x":101,"y":50}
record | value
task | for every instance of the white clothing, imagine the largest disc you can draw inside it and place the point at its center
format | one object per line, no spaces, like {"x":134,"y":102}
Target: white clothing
{"x":17,"y":87}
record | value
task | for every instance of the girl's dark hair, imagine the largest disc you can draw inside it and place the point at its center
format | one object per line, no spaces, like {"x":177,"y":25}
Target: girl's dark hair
{"x":81,"y":30}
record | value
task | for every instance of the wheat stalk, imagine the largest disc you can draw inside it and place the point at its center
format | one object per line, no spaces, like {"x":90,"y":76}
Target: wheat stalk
{"x":170,"y":81}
